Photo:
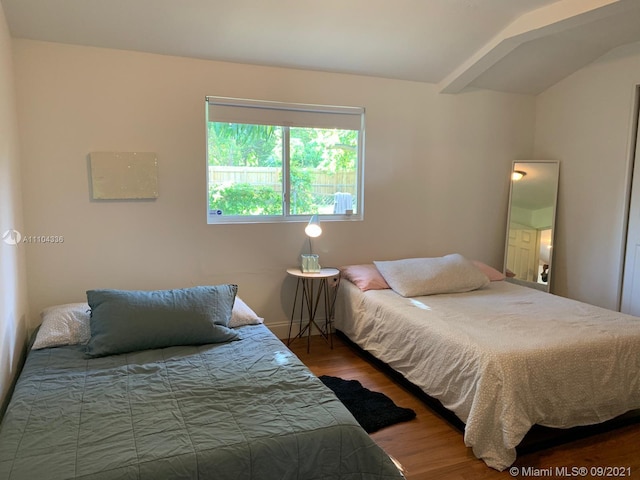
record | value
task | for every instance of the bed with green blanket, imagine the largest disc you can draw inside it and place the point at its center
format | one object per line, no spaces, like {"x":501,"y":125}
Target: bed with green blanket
{"x":241,"y":409}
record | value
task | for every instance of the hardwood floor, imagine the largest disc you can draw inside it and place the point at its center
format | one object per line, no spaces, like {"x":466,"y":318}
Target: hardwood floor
{"x":429,"y":447}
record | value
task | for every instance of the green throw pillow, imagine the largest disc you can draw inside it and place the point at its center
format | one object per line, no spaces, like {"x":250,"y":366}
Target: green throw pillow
{"x":130,"y":320}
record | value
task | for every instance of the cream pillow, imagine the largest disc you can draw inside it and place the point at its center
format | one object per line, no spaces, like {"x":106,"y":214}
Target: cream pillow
{"x":243,"y":315}
{"x":413,"y":277}
{"x":66,"y":324}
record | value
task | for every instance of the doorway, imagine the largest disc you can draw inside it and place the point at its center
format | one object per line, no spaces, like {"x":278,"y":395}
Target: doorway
{"x":630,"y":301}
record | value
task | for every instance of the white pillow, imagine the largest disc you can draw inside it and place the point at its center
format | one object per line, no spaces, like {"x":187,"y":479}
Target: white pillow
{"x":413,"y":277}
{"x":63,"y":325}
{"x":241,"y":314}
{"x":69,"y":324}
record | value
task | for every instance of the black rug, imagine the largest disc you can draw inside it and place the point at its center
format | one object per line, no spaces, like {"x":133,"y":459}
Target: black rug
{"x":372,"y":410}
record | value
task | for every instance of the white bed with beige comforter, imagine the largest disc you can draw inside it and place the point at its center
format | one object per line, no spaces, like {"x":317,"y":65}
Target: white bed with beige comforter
{"x":502,"y":358}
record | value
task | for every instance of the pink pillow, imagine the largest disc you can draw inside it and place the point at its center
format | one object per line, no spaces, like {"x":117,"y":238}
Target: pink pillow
{"x":365,"y":277}
{"x":493,"y":274}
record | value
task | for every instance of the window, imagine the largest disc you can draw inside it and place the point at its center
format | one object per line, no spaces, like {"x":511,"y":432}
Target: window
{"x":273,"y":162}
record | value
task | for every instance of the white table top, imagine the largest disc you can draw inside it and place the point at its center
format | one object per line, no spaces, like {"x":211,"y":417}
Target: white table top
{"x":323,"y":273}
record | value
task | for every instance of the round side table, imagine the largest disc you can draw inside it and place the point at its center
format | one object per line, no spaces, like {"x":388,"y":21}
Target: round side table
{"x":311,"y":298}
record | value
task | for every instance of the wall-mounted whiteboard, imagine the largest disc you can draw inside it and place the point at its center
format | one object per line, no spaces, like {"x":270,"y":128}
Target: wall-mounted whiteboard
{"x":123,"y":175}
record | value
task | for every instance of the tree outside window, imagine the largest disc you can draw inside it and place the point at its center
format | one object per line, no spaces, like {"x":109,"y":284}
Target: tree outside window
{"x":267,"y":171}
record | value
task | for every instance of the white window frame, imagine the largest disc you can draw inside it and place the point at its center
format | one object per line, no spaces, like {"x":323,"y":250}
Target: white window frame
{"x":237,"y":110}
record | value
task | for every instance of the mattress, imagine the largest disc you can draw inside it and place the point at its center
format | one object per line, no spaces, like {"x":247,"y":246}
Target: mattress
{"x":502,"y":358}
{"x":246,"y":409}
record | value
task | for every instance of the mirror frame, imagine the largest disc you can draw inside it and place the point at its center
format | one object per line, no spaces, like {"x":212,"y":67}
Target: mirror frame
{"x":539,"y":286}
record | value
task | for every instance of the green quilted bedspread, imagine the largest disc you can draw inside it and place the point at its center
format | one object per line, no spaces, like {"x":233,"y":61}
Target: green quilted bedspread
{"x":247,"y":409}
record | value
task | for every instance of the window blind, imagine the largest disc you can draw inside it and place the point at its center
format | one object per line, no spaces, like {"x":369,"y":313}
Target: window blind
{"x":233,"y":110}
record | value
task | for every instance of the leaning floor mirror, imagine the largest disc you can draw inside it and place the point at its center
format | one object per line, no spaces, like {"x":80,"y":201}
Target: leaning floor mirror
{"x":530,"y":223}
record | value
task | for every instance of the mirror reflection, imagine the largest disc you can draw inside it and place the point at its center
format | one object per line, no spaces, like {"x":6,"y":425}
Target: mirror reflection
{"x":532,"y":209}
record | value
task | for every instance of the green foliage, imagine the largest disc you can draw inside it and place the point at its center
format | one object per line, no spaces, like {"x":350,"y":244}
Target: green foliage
{"x":328,"y":150}
{"x":302,"y":198}
{"x":311,"y":150}
{"x":245,"y":199}
{"x":236,"y":144}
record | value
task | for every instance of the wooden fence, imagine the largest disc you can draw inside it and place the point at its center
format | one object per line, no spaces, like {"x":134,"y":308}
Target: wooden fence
{"x":322,"y":183}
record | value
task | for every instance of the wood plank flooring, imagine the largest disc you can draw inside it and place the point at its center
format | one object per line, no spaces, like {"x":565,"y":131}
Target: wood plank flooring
{"x":429,"y":447}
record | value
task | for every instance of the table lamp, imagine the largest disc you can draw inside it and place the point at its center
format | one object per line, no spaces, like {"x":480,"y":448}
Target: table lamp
{"x":310,"y":261}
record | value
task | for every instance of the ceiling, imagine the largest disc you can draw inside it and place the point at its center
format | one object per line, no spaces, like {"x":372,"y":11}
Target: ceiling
{"x":538,"y":188}
{"x":521,"y":46}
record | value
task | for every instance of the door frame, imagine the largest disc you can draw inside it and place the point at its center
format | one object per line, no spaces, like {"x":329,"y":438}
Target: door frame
{"x":633,"y":155}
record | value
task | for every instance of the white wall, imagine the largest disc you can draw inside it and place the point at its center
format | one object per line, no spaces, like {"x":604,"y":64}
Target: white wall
{"x":436,"y":173}
{"x":13,"y":296}
{"x":585,"y":122}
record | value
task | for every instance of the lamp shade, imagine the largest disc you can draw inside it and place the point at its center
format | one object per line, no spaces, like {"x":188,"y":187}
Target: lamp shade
{"x":313,"y":228}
